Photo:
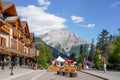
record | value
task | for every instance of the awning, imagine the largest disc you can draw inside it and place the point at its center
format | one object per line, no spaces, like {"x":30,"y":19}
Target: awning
{"x":69,"y":60}
{"x":59,"y":59}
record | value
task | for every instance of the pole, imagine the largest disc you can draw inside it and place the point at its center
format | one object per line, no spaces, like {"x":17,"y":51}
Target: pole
{"x":11,"y":70}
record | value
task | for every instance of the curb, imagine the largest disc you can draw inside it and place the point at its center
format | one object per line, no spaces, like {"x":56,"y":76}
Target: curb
{"x":95,"y":75}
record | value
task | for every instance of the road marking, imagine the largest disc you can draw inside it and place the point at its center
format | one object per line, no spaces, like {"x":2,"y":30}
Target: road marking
{"x":34,"y":78}
{"x":18,"y":75}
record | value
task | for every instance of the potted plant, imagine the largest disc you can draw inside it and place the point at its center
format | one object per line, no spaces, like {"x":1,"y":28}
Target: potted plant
{"x":73,"y":73}
{"x":66,"y":72}
{"x":60,"y":71}
{"x":79,"y":66}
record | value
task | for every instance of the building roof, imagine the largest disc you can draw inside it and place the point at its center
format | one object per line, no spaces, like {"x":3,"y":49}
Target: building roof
{"x":6,"y":5}
{"x":1,"y":21}
{"x":8,"y":8}
{"x":11,"y":19}
{"x":32,"y":36}
{"x":23,"y":24}
{"x":25,"y":28}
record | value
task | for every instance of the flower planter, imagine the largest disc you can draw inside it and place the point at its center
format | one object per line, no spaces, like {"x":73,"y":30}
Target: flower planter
{"x":73,"y":74}
{"x":65,"y":73}
{"x":80,"y":68}
{"x":59,"y":72}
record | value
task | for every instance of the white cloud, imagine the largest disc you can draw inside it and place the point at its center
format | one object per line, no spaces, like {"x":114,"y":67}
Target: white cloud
{"x":77,"y":19}
{"x":115,"y":4}
{"x":89,"y":25}
{"x":38,"y":20}
{"x":44,"y":3}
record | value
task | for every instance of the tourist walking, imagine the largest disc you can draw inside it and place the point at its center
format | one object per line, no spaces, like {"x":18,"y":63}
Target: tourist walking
{"x":104,"y":67}
{"x":2,"y":65}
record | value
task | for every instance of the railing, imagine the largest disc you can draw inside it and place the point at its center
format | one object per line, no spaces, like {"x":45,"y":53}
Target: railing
{"x":16,"y":51}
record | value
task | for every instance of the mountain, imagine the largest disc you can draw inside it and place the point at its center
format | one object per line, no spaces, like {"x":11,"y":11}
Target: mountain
{"x":62,"y":40}
{"x":55,"y":53}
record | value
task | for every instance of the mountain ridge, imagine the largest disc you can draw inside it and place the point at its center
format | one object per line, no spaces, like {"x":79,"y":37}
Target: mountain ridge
{"x":63,"y":40}
{"x":55,"y":53}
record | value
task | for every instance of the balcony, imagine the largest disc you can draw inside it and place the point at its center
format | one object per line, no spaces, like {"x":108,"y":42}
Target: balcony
{"x":4,"y":49}
{"x":26,"y":42}
{"x":30,"y":45}
{"x":15,"y":33}
{"x":23,"y":39}
{"x":5,"y":28}
{"x":20,"y":37}
{"x":8,"y":51}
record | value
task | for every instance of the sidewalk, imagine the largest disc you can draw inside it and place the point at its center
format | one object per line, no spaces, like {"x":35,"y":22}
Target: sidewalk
{"x":5,"y":74}
{"x":109,"y":75}
{"x":102,"y":75}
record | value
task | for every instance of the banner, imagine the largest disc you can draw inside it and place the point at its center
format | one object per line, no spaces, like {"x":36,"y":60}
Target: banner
{"x":37,"y":52}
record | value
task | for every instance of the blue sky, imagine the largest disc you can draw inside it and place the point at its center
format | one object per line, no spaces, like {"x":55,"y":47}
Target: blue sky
{"x":85,"y":18}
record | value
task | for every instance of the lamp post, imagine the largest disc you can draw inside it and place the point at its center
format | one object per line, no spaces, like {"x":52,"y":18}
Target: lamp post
{"x":11,"y":70}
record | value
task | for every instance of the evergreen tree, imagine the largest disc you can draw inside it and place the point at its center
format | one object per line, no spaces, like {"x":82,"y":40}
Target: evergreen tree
{"x":42,"y":61}
{"x":97,"y":60}
{"x":45,"y":57}
{"x":91,"y":52}
{"x":103,"y":44}
{"x":80,"y":59}
{"x":48,"y":55}
{"x":84,"y":53}
{"x":114,"y":51}
{"x":81,"y":49}
{"x":73,"y":56}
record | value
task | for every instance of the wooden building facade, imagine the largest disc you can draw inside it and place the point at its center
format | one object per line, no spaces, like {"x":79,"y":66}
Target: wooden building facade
{"x":16,"y":42}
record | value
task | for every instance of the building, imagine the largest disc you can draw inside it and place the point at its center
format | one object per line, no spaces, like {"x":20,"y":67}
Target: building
{"x":16,"y":42}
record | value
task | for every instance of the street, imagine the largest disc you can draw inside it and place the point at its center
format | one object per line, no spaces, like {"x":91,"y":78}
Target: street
{"x":29,"y":74}
{"x":45,"y":75}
